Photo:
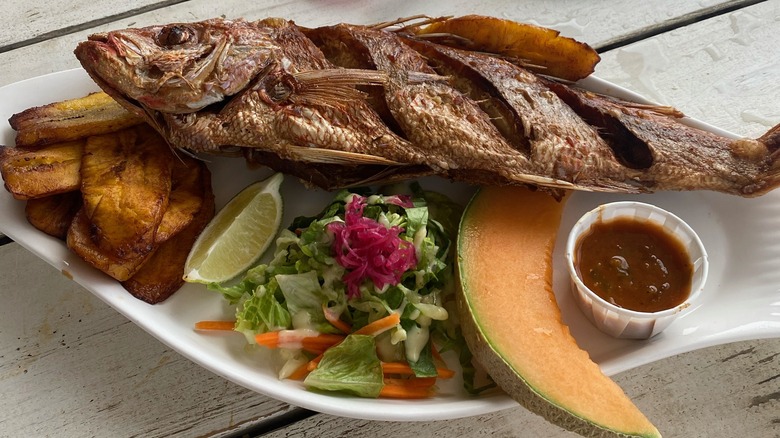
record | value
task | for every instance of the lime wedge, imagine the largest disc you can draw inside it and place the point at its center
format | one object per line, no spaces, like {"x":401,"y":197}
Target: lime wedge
{"x":238,"y":235}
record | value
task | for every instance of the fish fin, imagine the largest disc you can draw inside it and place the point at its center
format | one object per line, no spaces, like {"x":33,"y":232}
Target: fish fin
{"x":771,"y":139}
{"x":410,"y":22}
{"x":329,"y":87}
{"x":333,"y":156}
{"x":384,"y":176}
{"x":658,"y":109}
{"x":416,"y":77}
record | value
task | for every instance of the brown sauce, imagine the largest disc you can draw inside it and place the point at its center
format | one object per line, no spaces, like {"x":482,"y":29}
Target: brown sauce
{"x":634,"y":264}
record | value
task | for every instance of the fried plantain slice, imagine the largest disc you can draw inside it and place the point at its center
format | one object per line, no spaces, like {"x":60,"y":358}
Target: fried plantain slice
{"x":30,"y":173}
{"x":125,"y":185}
{"x":94,"y":114}
{"x":161,"y":275}
{"x":81,"y":240}
{"x":540,"y":49}
{"x":186,"y":198}
{"x":53,"y":214}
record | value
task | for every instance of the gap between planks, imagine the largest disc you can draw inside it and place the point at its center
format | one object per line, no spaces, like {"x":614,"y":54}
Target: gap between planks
{"x":88,"y":25}
{"x":268,"y":425}
{"x":675,"y":23}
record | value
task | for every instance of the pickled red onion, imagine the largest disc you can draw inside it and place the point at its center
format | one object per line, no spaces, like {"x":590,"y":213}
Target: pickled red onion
{"x":368,"y":249}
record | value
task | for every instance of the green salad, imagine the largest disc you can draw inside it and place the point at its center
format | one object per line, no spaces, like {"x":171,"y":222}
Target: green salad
{"x":360,"y":298}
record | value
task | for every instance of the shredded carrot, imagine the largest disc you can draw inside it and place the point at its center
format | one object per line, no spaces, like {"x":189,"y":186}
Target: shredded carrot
{"x":414,"y":382}
{"x":334,"y":320}
{"x":268,"y":339}
{"x":404,"y":391}
{"x":436,"y":354}
{"x":321,"y":342}
{"x":314,"y":362}
{"x":405,"y":369}
{"x":289,"y":339}
{"x":215,"y":325}
{"x":441,"y":364}
{"x":380,"y":325}
{"x":300,"y":373}
{"x":445,"y":373}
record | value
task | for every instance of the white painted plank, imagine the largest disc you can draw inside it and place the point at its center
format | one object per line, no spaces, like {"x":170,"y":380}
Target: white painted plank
{"x":722,"y":392}
{"x":724,"y":71}
{"x":593,"y":22}
{"x":134,"y":386}
{"x":26,"y":21}
{"x":72,"y":366}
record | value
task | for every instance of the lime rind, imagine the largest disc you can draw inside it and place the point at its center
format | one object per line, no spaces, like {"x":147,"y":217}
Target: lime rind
{"x":238,"y":235}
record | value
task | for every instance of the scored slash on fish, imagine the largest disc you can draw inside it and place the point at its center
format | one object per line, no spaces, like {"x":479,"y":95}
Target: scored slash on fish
{"x":347,"y":105}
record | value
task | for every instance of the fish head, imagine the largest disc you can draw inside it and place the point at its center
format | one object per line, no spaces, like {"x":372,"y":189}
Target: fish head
{"x":180,"y":67}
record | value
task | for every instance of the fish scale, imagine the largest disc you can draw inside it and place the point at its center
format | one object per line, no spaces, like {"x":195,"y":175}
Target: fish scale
{"x":436,"y":117}
{"x":349,"y":105}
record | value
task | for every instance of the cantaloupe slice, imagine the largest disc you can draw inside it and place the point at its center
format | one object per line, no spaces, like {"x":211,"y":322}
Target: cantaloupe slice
{"x":512,"y":322}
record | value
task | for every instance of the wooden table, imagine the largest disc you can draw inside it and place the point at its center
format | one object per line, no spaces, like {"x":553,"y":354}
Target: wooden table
{"x":72,"y":366}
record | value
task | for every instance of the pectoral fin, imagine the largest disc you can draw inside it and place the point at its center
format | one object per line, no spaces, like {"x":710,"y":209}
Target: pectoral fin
{"x":332,"y":156}
{"x":330,"y":87}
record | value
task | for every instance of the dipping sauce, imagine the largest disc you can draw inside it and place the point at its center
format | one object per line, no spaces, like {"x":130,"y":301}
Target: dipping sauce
{"x":634,"y":264}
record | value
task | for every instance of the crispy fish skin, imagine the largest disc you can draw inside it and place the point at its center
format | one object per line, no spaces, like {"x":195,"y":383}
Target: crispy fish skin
{"x":439,"y":120}
{"x":34,"y":173}
{"x":73,"y":119}
{"x":53,"y":214}
{"x":229,"y":53}
{"x":675,"y":156}
{"x":556,"y":140}
{"x":126,"y":183}
{"x":299,"y":108}
{"x":162,"y":273}
{"x":298,"y":111}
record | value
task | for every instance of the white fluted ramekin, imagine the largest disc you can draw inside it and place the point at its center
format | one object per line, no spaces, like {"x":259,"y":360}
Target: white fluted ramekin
{"x":618,"y":321}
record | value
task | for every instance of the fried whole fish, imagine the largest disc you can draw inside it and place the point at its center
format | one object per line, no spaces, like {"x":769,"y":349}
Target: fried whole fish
{"x":346,"y":105}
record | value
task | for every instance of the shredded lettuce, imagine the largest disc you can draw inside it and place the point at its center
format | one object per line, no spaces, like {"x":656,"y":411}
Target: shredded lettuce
{"x":362,"y":258}
{"x":261,"y":312}
{"x":304,"y":299}
{"x":352,"y":367}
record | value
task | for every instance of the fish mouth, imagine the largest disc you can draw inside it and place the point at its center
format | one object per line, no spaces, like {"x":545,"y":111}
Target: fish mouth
{"x":94,"y":51}
{"x":101,"y":47}
{"x":101,"y":59}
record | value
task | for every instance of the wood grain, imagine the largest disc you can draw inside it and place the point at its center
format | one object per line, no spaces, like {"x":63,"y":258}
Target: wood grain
{"x":723,"y":71}
{"x":39,"y":21}
{"x":597,"y":22}
{"x":723,"y":392}
{"x":72,"y":366}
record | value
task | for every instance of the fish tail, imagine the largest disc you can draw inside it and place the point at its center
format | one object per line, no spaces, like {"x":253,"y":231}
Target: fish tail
{"x":771,"y":140}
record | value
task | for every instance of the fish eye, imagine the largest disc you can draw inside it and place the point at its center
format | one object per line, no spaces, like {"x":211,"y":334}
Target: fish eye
{"x":175,"y":35}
